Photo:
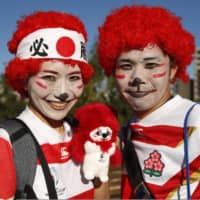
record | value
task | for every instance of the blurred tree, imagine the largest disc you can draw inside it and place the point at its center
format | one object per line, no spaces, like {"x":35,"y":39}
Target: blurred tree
{"x":10,"y":102}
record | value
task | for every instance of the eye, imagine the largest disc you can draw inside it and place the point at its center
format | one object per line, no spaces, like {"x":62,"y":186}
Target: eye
{"x":49,"y":78}
{"x":151,"y":65}
{"x":98,"y":133}
{"x":75,"y":78}
{"x":125,"y":66}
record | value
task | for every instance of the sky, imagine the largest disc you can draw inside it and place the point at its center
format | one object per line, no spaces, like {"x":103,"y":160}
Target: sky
{"x":92,"y":13}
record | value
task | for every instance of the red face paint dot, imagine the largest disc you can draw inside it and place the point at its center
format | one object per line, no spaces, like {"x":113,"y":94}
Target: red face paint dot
{"x":65,"y":46}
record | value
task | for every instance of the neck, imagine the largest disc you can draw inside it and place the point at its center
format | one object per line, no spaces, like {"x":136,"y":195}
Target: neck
{"x":55,"y":124}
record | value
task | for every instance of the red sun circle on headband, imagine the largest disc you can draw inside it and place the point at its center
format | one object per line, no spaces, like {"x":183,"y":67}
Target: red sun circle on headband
{"x":65,"y":46}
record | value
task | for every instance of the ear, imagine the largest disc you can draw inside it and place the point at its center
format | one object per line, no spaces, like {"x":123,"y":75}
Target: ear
{"x":173,"y":71}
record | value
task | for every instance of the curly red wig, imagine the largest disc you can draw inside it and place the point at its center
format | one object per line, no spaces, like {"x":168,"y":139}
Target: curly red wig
{"x":134,"y":27}
{"x":19,"y":70}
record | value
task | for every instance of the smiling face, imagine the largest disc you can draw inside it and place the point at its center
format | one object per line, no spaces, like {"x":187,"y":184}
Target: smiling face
{"x":143,"y":78}
{"x":55,"y":89}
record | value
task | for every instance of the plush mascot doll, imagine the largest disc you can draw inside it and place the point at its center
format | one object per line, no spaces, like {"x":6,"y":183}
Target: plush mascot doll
{"x":94,"y":141}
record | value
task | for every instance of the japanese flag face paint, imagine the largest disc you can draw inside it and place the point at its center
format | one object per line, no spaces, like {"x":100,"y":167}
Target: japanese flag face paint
{"x":55,"y":89}
{"x":143,"y":78}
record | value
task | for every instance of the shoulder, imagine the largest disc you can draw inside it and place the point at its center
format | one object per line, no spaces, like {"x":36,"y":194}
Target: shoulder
{"x":194,"y":115}
{"x":184,"y":105}
{"x":191,"y":110}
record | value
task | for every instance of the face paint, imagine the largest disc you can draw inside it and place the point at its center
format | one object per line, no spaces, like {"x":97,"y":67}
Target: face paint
{"x":161,"y":65}
{"x":120,"y":76}
{"x":146,"y":82}
{"x":41,"y":85}
{"x":80,"y":86}
{"x":55,"y":89}
{"x":159,"y":75}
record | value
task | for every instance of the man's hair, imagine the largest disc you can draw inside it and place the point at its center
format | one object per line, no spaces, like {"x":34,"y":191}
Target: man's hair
{"x":19,"y":70}
{"x":134,"y":27}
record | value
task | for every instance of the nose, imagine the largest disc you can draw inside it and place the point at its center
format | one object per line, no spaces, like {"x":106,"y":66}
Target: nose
{"x":105,"y":134}
{"x":61,"y":89}
{"x":137,"y":82}
{"x":62,"y":97}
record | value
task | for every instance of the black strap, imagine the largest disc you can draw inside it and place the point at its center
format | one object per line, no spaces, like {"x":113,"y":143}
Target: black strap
{"x":27,"y":193}
{"x":48,"y":178}
{"x":133,"y":167}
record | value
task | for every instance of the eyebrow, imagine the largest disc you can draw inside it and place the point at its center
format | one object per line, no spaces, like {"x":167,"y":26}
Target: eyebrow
{"x":144,"y":59}
{"x":151,"y":58}
{"x":124,"y":60}
{"x":50,"y":71}
{"x":54,"y":72}
{"x":75,"y":72}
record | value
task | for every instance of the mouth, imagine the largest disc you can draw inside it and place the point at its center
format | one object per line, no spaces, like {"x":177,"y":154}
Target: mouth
{"x":59,"y":105}
{"x":139,"y":94}
{"x":104,"y":138}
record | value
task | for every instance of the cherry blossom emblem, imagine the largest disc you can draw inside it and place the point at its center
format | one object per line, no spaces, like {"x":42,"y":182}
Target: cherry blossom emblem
{"x":153,"y":164}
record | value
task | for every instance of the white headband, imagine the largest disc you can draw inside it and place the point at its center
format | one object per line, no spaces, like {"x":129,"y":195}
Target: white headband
{"x":53,"y":43}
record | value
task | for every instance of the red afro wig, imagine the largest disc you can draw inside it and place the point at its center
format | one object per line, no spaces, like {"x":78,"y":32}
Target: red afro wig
{"x":134,"y":27}
{"x":19,"y":70}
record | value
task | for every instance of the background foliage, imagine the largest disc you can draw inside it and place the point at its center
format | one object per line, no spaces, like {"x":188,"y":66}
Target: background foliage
{"x":10,"y":102}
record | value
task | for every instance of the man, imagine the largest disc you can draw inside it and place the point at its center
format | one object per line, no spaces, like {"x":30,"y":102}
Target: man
{"x":50,"y":69}
{"x":146,"y":49}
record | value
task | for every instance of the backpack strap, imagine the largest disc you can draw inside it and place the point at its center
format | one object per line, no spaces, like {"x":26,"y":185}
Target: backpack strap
{"x":132,"y":165}
{"x":47,"y":174}
{"x":26,"y":145}
{"x":25,"y":155}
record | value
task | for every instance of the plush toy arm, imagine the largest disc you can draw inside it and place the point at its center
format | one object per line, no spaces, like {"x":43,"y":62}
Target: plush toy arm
{"x":112,"y":149}
{"x":91,"y":147}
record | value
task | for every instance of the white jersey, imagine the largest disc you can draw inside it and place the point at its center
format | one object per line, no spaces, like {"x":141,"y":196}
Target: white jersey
{"x":66,"y":174}
{"x":158,"y":140}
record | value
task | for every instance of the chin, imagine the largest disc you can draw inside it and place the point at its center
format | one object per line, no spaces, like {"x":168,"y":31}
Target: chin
{"x":138,"y":108}
{"x":56,"y":116}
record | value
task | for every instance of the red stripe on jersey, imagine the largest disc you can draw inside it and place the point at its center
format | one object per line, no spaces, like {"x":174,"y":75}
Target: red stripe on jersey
{"x":56,"y":153}
{"x":196,"y":193}
{"x":126,"y":189}
{"x":158,"y":134}
{"x":85,"y":195}
{"x":7,"y":170}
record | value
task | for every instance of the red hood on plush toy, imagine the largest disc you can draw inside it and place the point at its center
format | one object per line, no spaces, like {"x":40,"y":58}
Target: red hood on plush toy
{"x":95,"y":118}
{"x":97,"y":123}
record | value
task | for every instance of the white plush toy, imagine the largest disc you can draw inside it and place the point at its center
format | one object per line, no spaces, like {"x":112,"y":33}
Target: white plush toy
{"x":94,"y":140}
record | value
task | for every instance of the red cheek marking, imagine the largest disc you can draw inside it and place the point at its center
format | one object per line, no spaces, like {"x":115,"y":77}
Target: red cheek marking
{"x":161,"y":65}
{"x":159,"y":75}
{"x":80,"y":86}
{"x":120,"y":76}
{"x":41,"y":85}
